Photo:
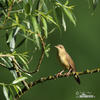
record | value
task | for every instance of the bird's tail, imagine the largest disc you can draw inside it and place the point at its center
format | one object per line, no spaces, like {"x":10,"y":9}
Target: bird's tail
{"x":77,"y":78}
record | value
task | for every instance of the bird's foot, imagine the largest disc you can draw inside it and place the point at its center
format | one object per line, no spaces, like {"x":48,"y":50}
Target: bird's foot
{"x":58,"y":74}
{"x":67,"y":74}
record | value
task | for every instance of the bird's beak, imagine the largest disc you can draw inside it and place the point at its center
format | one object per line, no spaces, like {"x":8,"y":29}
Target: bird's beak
{"x":56,"y":46}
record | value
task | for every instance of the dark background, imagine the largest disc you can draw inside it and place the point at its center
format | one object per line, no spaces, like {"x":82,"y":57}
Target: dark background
{"x":82,"y":43}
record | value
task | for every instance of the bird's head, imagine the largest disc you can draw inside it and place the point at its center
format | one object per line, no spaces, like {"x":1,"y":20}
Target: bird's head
{"x":60,"y":47}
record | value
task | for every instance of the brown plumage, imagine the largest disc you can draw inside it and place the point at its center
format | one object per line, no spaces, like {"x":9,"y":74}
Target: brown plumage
{"x":67,"y":61}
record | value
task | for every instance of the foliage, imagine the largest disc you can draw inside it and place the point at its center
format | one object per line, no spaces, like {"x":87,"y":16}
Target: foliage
{"x":29,"y":19}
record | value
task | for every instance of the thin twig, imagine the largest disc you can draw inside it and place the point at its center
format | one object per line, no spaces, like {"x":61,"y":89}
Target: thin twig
{"x":39,"y":63}
{"x":43,"y":52}
{"x":54,"y":77}
{"x":40,"y":60}
{"x":6,"y":55}
{"x":19,"y":73}
{"x":8,"y":14}
{"x":3,"y":65}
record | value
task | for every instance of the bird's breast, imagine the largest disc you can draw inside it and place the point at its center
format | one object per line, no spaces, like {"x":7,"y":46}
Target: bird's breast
{"x":64,"y":60}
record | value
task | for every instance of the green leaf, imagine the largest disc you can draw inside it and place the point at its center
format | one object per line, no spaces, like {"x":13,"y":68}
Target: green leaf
{"x":16,"y":31}
{"x":48,"y":17}
{"x":37,"y":30}
{"x":40,"y":4}
{"x":70,"y":15}
{"x":10,"y":37}
{"x":47,"y":49}
{"x":95,"y":2}
{"x":28,"y":24}
{"x":27,"y":8}
{"x":22,"y":27}
{"x":67,"y":12}
{"x":55,"y":17}
{"x":24,"y":62}
{"x":5,"y":91}
{"x":45,"y":27}
{"x":52,"y":30}
{"x":18,"y":88}
{"x":19,"y":79}
{"x":12,"y":44}
{"x":11,"y":91}
{"x":11,"y":97}
{"x":35,"y":24}
{"x":27,"y":37}
{"x":28,"y":74}
{"x":63,"y":22}
{"x":5,"y":61}
{"x":11,"y":41}
{"x":45,"y":8}
{"x":25,"y":1}
{"x":37,"y":40}
{"x":17,"y":19}
{"x":66,"y":3}
{"x":9,"y":65}
{"x":35,"y":4}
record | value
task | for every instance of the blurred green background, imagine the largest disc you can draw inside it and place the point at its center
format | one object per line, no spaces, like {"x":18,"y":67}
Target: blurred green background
{"x":82,"y":43}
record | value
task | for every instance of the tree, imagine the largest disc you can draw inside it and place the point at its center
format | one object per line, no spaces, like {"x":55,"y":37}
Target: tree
{"x":30,"y":21}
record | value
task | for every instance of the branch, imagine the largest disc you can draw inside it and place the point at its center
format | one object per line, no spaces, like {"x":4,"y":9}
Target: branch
{"x":19,"y":74}
{"x":17,"y":64}
{"x":44,"y":79}
{"x":40,"y":60}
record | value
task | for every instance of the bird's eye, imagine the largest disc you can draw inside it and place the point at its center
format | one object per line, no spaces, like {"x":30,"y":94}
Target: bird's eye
{"x":60,"y":47}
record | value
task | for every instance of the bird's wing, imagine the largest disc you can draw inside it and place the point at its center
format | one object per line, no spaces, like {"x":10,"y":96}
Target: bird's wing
{"x":71,"y":62}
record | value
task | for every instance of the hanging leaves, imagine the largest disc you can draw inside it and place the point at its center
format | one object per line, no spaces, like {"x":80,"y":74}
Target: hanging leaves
{"x":45,"y":27}
{"x":19,"y":79}
{"x":36,"y":30}
{"x":5,"y":91}
{"x":67,"y":11}
{"x":63,"y":22}
{"x":95,"y":2}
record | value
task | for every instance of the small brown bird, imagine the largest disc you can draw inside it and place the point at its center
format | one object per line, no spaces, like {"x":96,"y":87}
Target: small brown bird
{"x":67,"y":61}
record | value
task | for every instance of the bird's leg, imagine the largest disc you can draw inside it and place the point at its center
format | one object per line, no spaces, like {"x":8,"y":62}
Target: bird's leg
{"x":58,"y":74}
{"x":68,"y":73}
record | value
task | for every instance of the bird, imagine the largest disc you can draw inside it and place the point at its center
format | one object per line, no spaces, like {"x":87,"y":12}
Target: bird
{"x":66,"y":60}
